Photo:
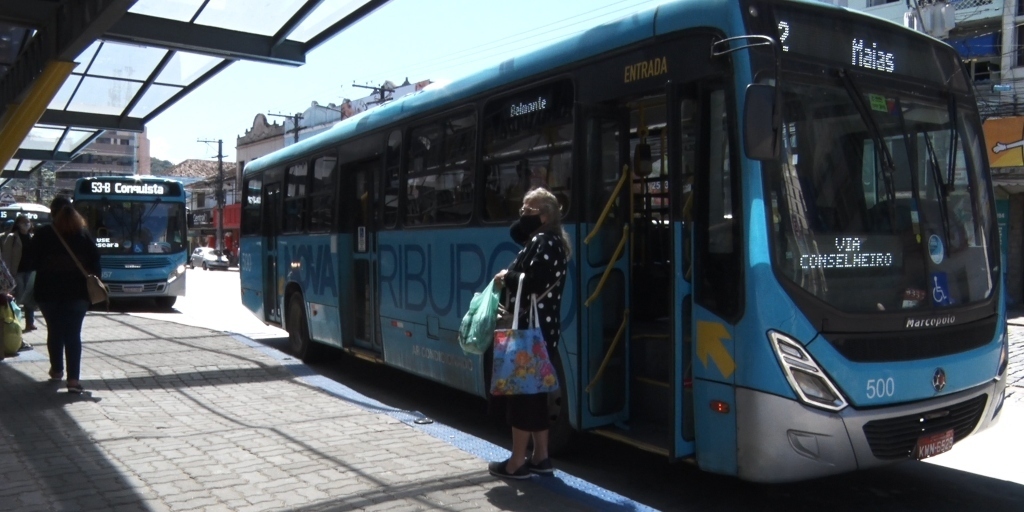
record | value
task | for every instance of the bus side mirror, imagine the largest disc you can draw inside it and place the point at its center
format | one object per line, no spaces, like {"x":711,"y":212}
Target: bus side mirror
{"x":760,"y":136}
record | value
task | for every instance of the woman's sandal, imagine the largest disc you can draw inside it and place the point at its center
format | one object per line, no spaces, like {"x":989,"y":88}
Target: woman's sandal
{"x":56,"y":376}
{"x":75,"y":389}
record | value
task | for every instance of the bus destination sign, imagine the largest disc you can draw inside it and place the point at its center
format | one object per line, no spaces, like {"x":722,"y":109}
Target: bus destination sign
{"x":129,"y":188}
{"x":858,"y":45}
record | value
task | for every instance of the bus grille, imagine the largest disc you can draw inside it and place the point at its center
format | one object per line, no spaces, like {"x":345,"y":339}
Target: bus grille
{"x":123,"y":263}
{"x":895,"y":438}
{"x":908,"y":346}
{"x":135,"y":288}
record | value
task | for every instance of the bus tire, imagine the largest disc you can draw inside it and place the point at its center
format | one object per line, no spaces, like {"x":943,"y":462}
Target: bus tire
{"x":166,"y":302}
{"x":298,"y":330}
{"x":561,"y":435}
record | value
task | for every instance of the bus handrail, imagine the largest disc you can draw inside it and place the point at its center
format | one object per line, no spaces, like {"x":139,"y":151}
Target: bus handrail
{"x":759,"y":40}
{"x":608,"y":269}
{"x":608,"y":206}
{"x":611,"y":348}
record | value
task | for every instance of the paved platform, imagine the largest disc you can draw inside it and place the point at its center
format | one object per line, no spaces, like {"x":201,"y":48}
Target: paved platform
{"x":183,"y":418}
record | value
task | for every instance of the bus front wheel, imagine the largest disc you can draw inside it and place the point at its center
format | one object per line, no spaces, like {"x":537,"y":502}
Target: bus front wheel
{"x":298,"y":330}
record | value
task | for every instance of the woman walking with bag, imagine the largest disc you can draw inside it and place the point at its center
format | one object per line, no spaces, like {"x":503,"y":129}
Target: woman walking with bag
{"x":540,"y":267}
{"x":60,"y":290}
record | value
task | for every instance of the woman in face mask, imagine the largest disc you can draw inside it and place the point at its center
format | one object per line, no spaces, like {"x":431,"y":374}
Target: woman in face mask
{"x":543,"y":263}
{"x":12,"y":248}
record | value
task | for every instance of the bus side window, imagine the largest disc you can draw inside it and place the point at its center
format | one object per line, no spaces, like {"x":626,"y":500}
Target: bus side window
{"x":296,"y":187}
{"x":439,"y":183}
{"x":392,"y":158}
{"x":526,"y":147}
{"x":251,"y":206}
{"x":325,"y":171}
{"x":719,"y":279}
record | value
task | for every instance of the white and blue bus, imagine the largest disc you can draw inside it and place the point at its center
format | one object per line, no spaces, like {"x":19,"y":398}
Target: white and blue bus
{"x":139,"y":226}
{"x":37,"y":213}
{"x":787,"y":262}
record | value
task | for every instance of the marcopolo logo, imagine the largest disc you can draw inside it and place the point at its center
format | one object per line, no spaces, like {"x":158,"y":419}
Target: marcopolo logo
{"x":933,"y":321}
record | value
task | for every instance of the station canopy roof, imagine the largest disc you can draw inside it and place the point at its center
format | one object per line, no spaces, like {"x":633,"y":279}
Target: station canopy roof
{"x":96,"y":65}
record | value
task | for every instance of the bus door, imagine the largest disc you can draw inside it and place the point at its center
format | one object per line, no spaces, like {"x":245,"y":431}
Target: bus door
{"x":657,"y":287}
{"x":362,"y":199}
{"x":603,"y":266}
{"x":684,"y":120}
{"x":271,"y":229}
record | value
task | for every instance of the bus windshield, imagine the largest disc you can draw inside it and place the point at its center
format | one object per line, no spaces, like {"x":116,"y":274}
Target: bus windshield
{"x":879,"y":201}
{"x":134,"y":227}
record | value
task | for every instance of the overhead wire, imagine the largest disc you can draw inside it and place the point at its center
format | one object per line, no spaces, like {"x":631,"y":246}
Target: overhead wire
{"x":492,"y":50}
{"x":502,"y":43}
{"x":493,"y":54}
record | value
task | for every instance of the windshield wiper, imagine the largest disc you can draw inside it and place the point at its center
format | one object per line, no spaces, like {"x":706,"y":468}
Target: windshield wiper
{"x":942,"y":188}
{"x":954,"y":141}
{"x":888,"y":164}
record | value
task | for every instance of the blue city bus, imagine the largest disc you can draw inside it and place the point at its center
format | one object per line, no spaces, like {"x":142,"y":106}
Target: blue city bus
{"x":37,"y":213}
{"x":139,"y":226}
{"x":786,"y":257}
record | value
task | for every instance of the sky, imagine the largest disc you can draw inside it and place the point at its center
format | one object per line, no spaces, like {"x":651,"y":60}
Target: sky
{"x":438,"y":40}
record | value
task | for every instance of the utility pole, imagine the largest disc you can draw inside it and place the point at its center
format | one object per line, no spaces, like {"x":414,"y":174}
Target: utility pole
{"x":295,"y":121}
{"x":220,"y":193}
{"x":381,"y":92}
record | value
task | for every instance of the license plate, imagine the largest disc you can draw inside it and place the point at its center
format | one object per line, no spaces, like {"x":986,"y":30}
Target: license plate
{"x":934,"y":444}
{"x":132,"y":289}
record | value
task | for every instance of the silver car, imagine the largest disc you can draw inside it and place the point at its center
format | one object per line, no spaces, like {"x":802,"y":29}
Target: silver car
{"x":208,"y":258}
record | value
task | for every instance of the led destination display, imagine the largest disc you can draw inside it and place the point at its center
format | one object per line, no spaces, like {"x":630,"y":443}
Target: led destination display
{"x":866,"y":47}
{"x":129,"y":188}
{"x":850,"y":252}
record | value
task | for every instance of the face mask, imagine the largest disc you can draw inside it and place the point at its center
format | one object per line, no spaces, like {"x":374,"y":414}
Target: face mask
{"x":523,"y":228}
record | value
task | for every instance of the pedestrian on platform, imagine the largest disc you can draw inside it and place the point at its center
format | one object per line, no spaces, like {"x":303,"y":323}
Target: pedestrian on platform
{"x":6,"y":297}
{"x":60,"y":289}
{"x":12,"y":248}
{"x":543,"y":263}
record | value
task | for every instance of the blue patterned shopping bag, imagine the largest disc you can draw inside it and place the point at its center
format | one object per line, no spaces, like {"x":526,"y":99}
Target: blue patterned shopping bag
{"x":522,"y":365}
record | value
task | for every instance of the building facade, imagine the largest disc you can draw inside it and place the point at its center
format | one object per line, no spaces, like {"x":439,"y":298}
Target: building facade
{"x":202,"y":183}
{"x":113,"y":153}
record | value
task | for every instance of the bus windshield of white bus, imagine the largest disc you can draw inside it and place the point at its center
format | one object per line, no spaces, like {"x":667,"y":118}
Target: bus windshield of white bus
{"x":38,"y":215}
{"x":135,"y":227}
{"x":879,"y":201}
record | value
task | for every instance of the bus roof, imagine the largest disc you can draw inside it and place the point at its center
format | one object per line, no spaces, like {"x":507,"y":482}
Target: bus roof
{"x":132,"y":177}
{"x":26,"y":207}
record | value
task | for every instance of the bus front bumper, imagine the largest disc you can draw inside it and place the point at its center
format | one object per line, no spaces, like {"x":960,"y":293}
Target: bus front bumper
{"x":782,"y":440}
{"x":147,"y":289}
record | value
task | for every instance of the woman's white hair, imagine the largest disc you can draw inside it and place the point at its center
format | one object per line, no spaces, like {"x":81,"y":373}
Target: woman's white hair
{"x":547,"y":202}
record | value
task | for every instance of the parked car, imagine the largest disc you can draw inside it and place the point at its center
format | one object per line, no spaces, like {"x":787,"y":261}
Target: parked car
{"x":208,"y":258}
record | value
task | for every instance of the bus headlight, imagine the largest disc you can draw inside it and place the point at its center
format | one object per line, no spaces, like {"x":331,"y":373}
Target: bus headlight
{"x":175,"y":274}
{"x":805,"y":376}
{"x":1004,"y":354}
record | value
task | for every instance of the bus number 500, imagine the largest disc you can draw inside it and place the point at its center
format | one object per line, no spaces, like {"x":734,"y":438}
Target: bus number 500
{"x":881,"y":388}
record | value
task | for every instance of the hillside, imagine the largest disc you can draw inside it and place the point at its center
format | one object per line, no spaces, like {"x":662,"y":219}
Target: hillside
{"x":158,"y":167}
